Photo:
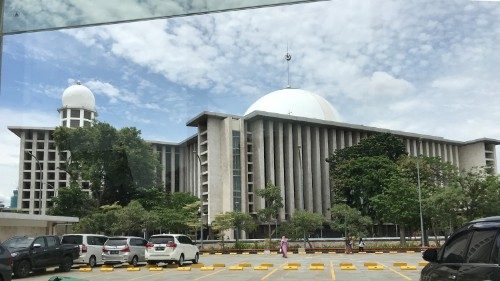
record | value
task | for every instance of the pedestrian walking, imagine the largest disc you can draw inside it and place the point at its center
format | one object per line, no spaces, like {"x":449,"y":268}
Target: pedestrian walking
{"x":284,"y":246}
{"x":348,"y":246}
{"x":361,"y":245}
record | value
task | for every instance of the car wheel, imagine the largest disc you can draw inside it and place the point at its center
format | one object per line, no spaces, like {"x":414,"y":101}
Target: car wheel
{"x":134,"y":261}
{"x":196,"y":258}
{"x":92,"y":261}
{"x":66,"y":264}
{"x":181,"y":260}
{"x":23,"y":269}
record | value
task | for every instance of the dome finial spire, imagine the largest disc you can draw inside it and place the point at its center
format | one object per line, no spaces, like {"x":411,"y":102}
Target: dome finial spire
{"x":288,"y":57}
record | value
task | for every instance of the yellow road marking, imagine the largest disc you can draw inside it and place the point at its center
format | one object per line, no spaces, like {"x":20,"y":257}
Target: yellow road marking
{"x":332,"y":271}
{"x":201,"y":277}
{"x":398,"y":273}
{"x":272,"y":272}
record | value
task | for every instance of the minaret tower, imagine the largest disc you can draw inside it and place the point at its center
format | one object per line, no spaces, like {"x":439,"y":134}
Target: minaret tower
{"x":78,"y":107}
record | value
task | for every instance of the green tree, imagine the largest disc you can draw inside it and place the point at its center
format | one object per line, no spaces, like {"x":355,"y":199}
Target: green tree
{"x":103,"y":221}
{"x":482,"y":193}
{"x":118,"y":163}
{"x":398,"y":203}
{"x":222,"y":223}
{"x":349,"y":220}
{"x":306,"y":223}
{"x":72,"y":201}
{"x":242,"y":221}
{"x":132,"y":219}
{"x":273,"y":202}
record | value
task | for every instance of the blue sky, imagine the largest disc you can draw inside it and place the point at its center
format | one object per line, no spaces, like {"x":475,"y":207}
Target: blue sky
{"x":421,"y":66}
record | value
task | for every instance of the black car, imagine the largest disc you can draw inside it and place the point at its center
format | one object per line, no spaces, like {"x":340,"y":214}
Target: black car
{"x":471,"y":253}
{"x":37,"y":253}
{"x":5,"y":264}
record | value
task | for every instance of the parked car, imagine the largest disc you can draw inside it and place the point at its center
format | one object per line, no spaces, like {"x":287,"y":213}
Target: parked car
{"x":38,"y":253}
{"x":124,"y":249}
{"x":90,"y":246}
{"x":171,"y":247}
{"x":471,"y":253}
{"x":5,"y":264}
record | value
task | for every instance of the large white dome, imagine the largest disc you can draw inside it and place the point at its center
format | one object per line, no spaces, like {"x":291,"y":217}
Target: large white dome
{"x":295,"y":102}
{"x":78,"y":96}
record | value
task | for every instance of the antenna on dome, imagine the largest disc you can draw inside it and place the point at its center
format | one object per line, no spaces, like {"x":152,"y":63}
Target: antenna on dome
{"x":288,"y":57}
{"x":78,"y":82}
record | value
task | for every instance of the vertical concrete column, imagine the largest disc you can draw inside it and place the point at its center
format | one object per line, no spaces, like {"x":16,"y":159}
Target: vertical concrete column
{"x":414,"y":145}
{"x":349,"y":138}
{"x":420,"y":148}
{"x":434,"y":152}
{"x":259,"y":179}
{"x":20,"y":185}
{"x":182,"y":167}
{"x":445,"y":152}
{"x":427,"y":152}
{"x":357,"y":137}
{"x":289,"y":171}
{"x":342,"y":139}
{"x":45,"y":170}
{"x":172,"y":170}
{"x":298,"y":169}
{"x":325,"y":174}
{"x":438,"y":146}
{"x":408,"y":148}
{"x":450,"y":153}
{"x":163,"y":165}
{"x":280,"y":165}
{"x":457,"y":161}
{"x":269,"y":152}
{"x":316,"y":170}
{"x":306,"y":161}
{"x":332,"y":141}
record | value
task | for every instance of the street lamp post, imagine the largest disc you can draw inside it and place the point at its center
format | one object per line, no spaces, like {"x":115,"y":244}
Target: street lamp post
{"x":201,"y":200}
{"x":420,"y":198}
{"x":41,"y":182}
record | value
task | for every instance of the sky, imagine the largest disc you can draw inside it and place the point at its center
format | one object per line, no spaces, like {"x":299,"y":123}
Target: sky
{"x":427,"y":66}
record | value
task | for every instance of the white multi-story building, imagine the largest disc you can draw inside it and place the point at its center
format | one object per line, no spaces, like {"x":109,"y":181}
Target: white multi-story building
{"x":283,"y":138}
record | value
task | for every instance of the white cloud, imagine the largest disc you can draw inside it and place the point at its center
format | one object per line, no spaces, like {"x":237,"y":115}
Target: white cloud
{"x":379,"y":85}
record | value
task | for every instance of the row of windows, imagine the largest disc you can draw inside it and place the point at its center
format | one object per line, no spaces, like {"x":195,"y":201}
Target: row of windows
{"x":75,"y":123}
{"x":40,"y":145}
{"x":75,"y":113}
{"x":236,"y":171}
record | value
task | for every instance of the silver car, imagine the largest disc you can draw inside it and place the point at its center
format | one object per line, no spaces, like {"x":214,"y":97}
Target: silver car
{"x":124,"y":249}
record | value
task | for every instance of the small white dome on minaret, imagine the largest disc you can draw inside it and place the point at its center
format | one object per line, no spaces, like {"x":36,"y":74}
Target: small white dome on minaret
{"x":78,"y":96}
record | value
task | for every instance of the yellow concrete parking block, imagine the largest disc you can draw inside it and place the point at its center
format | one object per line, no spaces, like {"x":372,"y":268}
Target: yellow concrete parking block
{"x":261,"y":253}
{"x":187,"y":268}
{"x":348,"y":267}
{"x":207,"y":268}
{"x":133,"y":268}
{"x":376,"y":267}
{"x":219,"y":265}
{"x":235,"y":267}
{"x":361,"y":252}
{"x":317,"y":264}
{"x":288,"y":267}
{"x":297,"y":264}
{"x":423,"y":263}
{"x":408,"y":267}
{"x":218,"y":253}
{"x":379,"y":252}
{"x":260,"y":267}
{"x":399,"y":263}
{"x":159,"y":268}
{"x":346,"y":264}
{"x":267,"y":264}
{"x":393,"y":252}
{"x":318,"y":252}
{"x":107,"y":269}
{"x":197,"y":265}
{"x":205,"y":254}
{"x":85,"y":269}
{"x":370,"y":263}
{"x":332,"y":253}
{"x":410,"y":252}
{"x":245,"y":253}
{"x":232,"y":253}
{"x":317,"y":267}
{"x":245,"y":264}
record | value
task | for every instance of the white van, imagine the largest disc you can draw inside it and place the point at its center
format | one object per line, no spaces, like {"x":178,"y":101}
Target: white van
{"x":90,"y":247}
{"x":171,"y":247}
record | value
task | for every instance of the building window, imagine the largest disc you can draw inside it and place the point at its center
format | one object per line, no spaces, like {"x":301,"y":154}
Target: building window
{"x":87,"y":114}
{"x":64,"y":113}
{"x":168,"y":171}
{"x":64,"y":123}
{"x":75,"y":113}
{"x":74,"y":123}
{"x":177,"y":170}
{"x":236,"y":172}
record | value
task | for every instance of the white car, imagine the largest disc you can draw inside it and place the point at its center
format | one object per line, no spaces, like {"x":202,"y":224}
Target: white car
{"x":171,"y":248}
{"x":90,"y":247}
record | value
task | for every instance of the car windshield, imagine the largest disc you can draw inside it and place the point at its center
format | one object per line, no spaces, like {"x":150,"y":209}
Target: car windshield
{"x":161,"y":239}
{"x":18,"y":242}
{"x":72,"y":239}
{"x":116,"y":242}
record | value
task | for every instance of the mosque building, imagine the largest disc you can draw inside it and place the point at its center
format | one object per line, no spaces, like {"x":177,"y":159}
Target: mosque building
{"x":283,"y":138}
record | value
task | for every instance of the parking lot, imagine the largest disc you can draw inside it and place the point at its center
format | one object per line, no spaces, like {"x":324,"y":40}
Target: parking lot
{"x":276,"y":269}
